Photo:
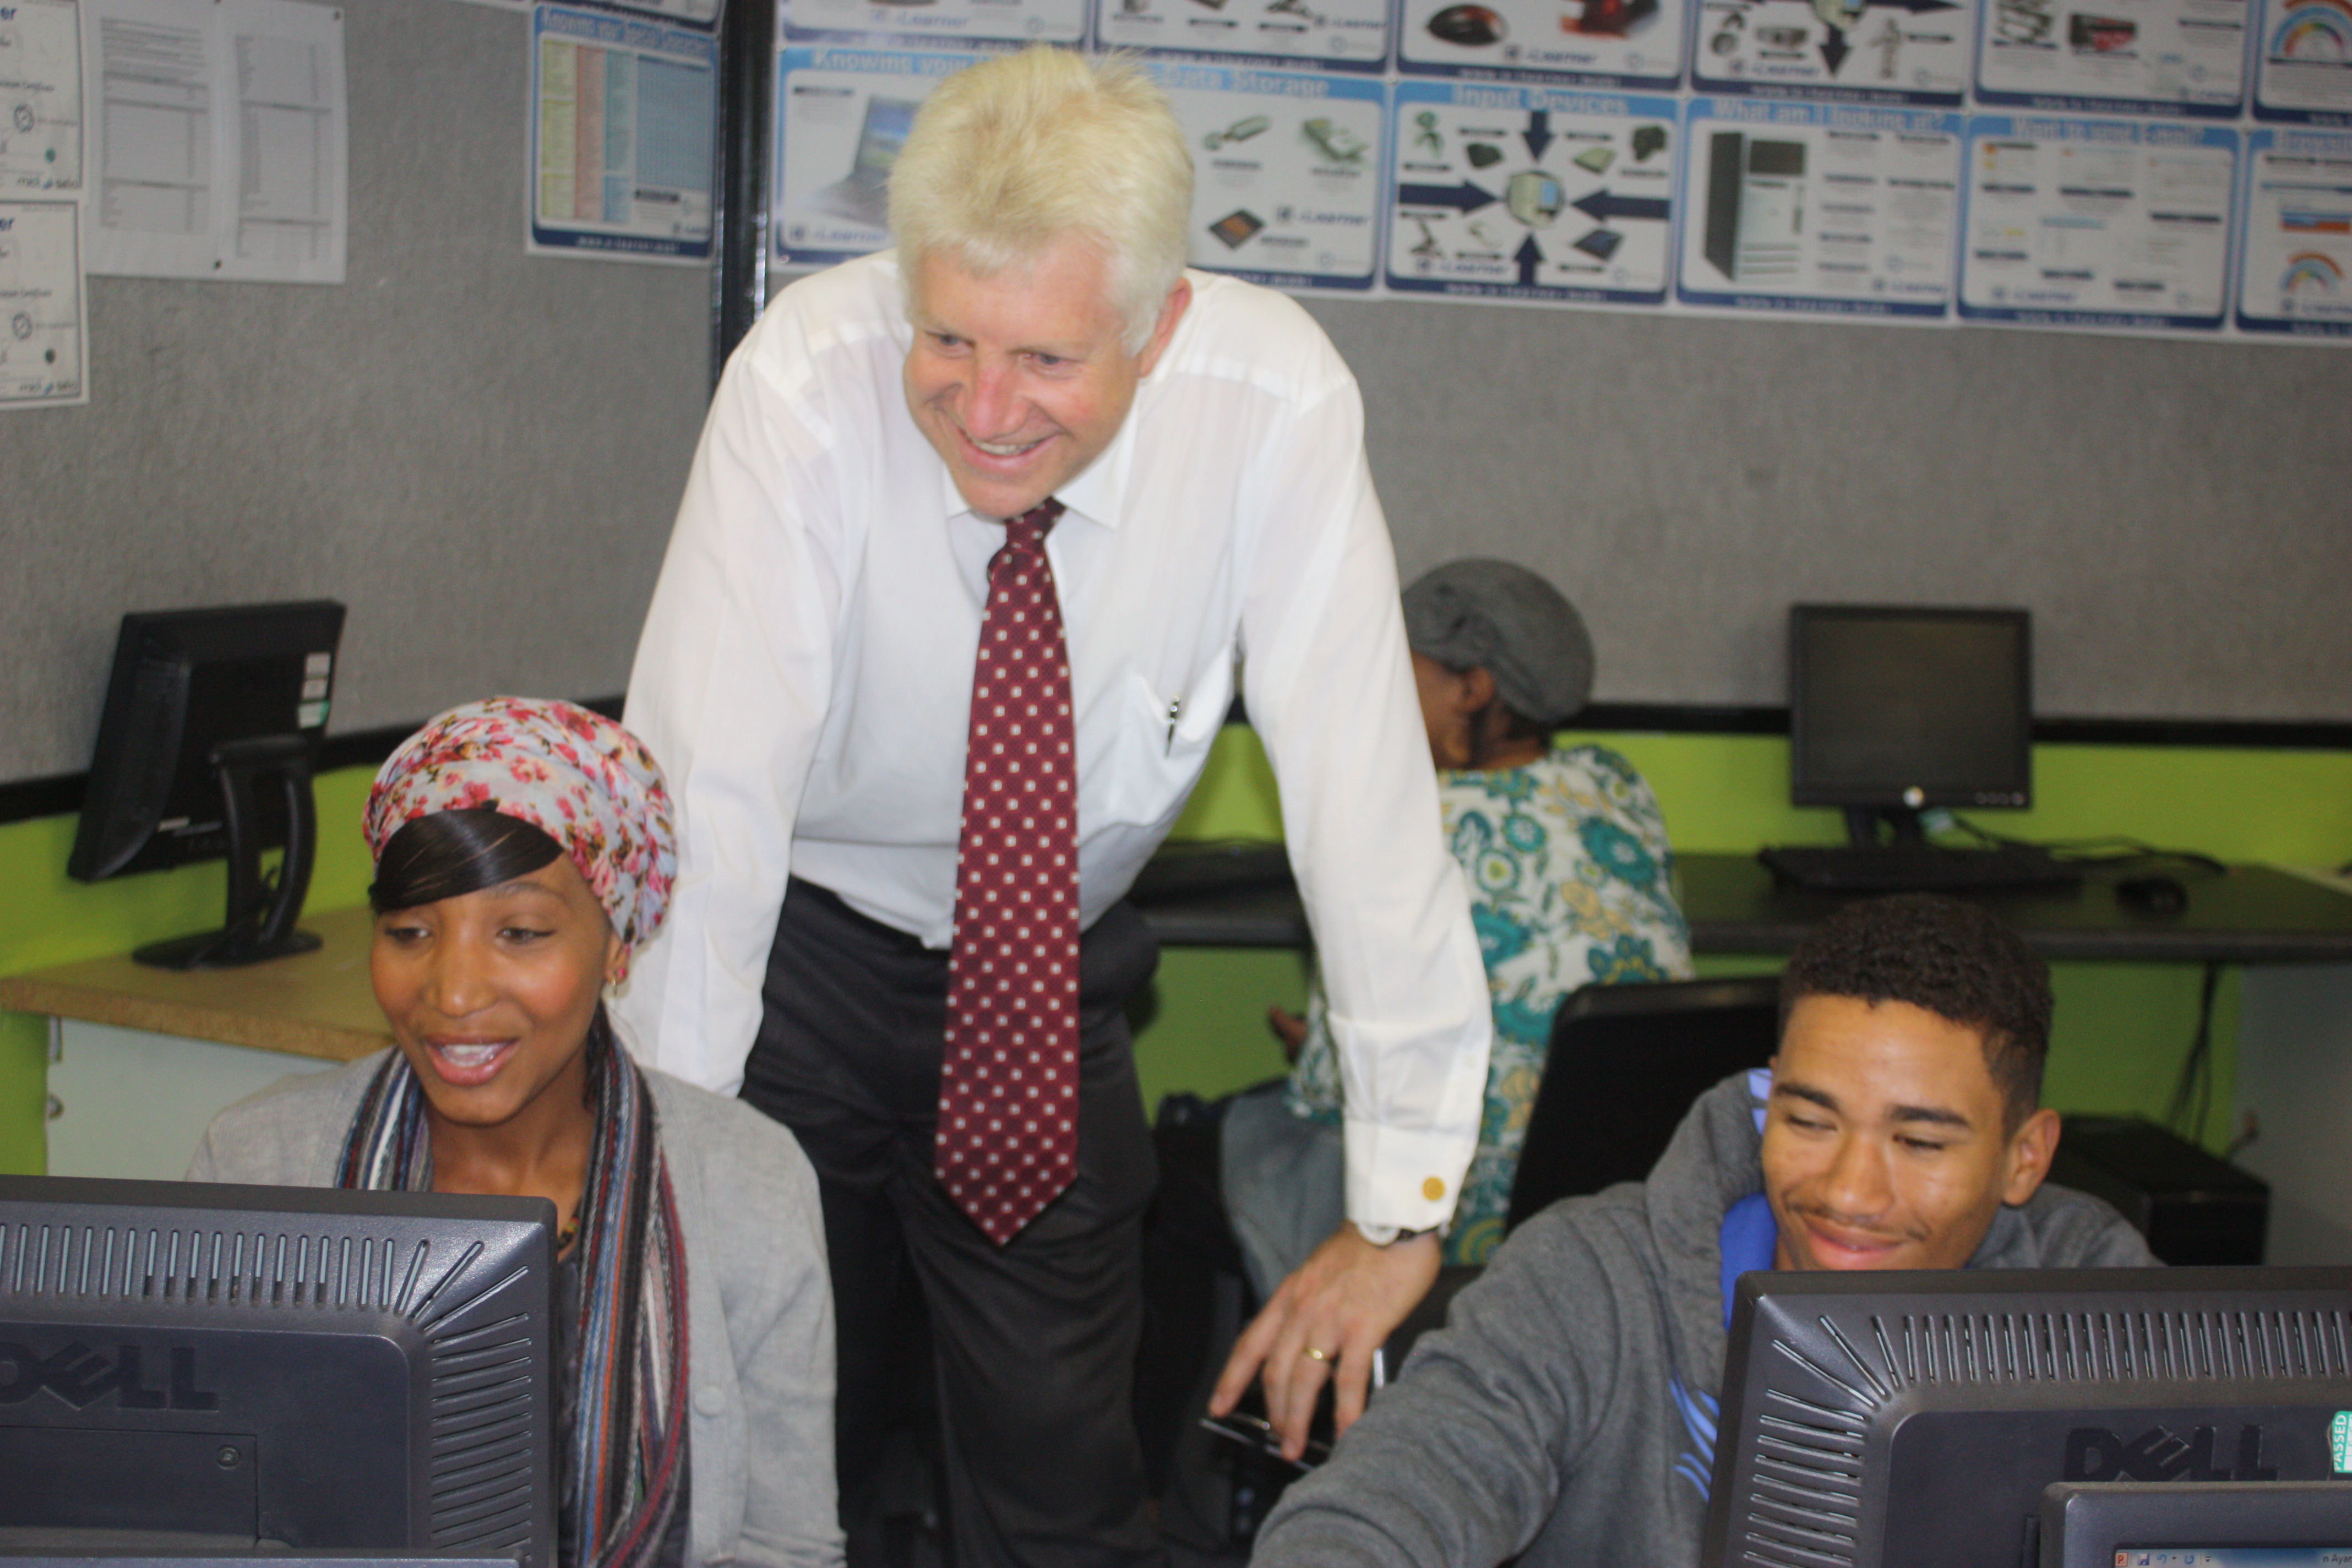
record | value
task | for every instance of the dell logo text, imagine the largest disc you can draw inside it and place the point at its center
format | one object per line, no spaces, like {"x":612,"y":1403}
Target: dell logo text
{"x":2095,"y":1454}
{"x":80,"y":1376}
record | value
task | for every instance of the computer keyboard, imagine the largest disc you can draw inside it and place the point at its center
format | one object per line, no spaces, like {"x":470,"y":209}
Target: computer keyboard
{"x":1917,"y":867}
{"x":1207,"y":870}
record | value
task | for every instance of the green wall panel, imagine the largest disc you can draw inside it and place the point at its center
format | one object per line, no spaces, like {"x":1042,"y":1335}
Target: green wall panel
{"x":2121,"y":1034}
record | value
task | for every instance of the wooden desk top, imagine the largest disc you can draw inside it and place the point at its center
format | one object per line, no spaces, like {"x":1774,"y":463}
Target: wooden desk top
{"x":311,"y":1004}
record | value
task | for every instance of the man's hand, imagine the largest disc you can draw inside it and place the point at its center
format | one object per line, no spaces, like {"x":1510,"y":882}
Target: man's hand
{"x":1343,"y":1302}
{"x":1290,"y":1029}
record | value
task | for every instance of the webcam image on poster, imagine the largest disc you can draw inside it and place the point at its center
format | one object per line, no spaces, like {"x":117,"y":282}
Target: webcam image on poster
{"x":1875,"y":51}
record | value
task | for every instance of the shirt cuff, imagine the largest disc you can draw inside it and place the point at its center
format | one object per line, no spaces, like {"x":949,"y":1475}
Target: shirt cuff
{"x":1399,"y":1180}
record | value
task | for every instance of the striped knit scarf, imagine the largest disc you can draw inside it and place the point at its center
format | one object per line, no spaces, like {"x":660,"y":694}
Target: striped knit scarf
{"x":626,"y":1453}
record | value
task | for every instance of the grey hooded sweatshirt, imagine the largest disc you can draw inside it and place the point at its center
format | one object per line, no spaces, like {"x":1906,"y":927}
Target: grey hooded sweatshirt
{"x":1567,"y":1410}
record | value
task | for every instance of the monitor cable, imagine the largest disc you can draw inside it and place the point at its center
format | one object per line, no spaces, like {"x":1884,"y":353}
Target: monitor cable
{"x":2192,"y":1094}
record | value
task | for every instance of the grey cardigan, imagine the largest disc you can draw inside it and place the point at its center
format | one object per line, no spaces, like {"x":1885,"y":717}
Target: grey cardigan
{"x":758,"y":1303}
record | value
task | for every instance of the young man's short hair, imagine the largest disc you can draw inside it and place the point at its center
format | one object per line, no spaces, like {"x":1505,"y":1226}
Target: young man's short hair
{"x":1951,"y":957}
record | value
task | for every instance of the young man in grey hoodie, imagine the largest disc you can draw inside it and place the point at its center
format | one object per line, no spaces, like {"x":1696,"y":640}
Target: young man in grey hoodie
{"x":1567,"y":1412}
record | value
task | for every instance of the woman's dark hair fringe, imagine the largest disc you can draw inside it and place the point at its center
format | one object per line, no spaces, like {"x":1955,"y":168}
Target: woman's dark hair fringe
{"x":453,"y":853}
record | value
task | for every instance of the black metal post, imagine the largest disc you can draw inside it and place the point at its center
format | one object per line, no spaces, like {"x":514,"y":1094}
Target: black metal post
{"x":747,"y":74}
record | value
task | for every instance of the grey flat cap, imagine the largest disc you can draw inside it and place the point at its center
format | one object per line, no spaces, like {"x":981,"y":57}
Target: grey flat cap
{"x":1503,"y":618}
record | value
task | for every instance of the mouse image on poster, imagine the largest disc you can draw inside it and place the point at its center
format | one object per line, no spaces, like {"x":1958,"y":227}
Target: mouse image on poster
{"x":2152,"y":895}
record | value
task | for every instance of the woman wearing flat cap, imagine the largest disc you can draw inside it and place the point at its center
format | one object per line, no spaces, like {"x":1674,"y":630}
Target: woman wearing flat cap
{"x":1566,"y":856}
{"x":523,"y":851}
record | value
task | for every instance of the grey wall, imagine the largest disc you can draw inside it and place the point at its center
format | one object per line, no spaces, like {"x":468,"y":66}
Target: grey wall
{"x":479,"y":451}
{"x":2176,"y":515}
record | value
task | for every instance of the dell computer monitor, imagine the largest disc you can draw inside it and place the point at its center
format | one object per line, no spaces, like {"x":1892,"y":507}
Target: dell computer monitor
{"x":1893,"y":708}
{"x":190,"y":1368}
{"x":2197,"y":1524}
{"x":1917,"y":1418}
{"x":205,"y":750}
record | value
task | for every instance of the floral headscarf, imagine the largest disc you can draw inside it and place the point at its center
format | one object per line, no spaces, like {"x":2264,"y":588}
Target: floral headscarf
{"x":575,"y":776}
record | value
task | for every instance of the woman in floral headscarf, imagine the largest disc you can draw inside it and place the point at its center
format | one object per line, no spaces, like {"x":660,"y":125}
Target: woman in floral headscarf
{"x":524,"y":850}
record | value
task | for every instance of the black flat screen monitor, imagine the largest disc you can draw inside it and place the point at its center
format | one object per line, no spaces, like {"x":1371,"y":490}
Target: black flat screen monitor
{"x":1872,"y":1420}
{"x":205,"y":750}
{"x":1896,"y":708}
{"x":2197,"y":1524}
{"x":234,"y":1369}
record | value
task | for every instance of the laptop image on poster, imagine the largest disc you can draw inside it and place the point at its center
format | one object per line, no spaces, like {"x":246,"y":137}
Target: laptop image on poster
{"x":864,"y":196}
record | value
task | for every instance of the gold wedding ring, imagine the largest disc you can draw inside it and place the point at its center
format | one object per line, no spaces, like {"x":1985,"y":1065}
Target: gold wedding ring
{"x":1312,"y":1354}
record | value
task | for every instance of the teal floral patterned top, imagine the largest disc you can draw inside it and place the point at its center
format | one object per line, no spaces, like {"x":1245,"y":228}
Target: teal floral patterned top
{"x":1571,"y":885}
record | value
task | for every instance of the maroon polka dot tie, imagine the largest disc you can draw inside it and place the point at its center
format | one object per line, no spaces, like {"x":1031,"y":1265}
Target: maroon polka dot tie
{"x":1008,"y":1137}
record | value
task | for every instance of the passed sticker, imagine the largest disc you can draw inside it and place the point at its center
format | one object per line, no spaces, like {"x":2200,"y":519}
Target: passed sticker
{"x":2339,"y":1441}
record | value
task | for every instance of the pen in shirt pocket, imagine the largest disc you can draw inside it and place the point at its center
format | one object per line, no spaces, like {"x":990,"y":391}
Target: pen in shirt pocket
{"x":1174,"y":708}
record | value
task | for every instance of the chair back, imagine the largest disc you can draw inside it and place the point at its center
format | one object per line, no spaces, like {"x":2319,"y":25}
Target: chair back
{"x":1625,"y":1063}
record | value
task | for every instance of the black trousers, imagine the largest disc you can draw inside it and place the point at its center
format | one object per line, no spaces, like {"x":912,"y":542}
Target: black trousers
{"x":1033,"y":1344}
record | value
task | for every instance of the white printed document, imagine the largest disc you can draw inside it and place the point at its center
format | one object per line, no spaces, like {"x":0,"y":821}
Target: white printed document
{"x":40,"y":95}
{"x":218,"y":144}
{"x":41,"y":340}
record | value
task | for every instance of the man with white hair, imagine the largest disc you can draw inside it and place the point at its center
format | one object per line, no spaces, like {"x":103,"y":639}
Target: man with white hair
{"x":976,"y":534}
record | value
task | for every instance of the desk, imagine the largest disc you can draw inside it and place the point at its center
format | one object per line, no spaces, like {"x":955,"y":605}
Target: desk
{"x":148,"y":1057}
{"x":2248,"y":914}
{"x":142,"y":1059}
{"x":2294,"y":1026}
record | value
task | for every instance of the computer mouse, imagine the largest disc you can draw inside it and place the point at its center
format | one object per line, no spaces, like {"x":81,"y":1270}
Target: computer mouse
{"x":2152,"y":895}
{"x":1469,"y":26}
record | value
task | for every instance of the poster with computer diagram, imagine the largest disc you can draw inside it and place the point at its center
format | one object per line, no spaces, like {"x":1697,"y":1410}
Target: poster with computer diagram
{"x":1820,"y":208}
{"x":1319,"y":35}
{"x":2303,"y":54}
{"x":2295,"y":275}
{"x":2165,"y":56}
{"x":1532,"y":193}
{"x":2115,"y":224}
{"x":931,"y":24}
{"x":40,"y":95}
{"x":1873,"y":51}
{"x":841,"y":117}
{"x":1624,"y":44}
{"x":1285,"y":172}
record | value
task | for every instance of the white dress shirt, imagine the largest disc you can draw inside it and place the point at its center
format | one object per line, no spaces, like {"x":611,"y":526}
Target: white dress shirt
{"x":805,"y":678}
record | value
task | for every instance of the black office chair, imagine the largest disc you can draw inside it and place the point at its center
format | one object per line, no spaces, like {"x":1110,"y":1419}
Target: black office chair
{"x":1625,"y":1063}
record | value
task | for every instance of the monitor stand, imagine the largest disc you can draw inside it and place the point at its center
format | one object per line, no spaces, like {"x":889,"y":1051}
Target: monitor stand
{"x":1863,"y":823}
{"x":260,"y":916}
